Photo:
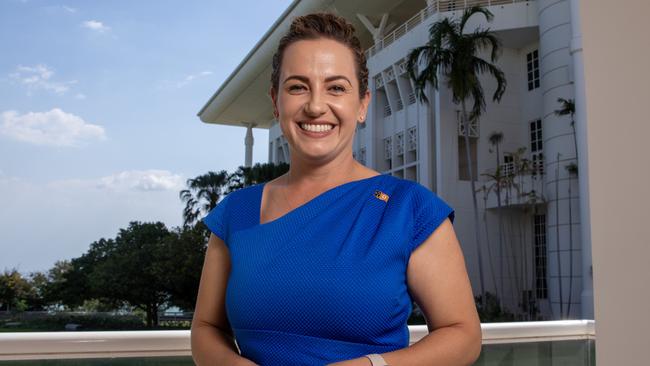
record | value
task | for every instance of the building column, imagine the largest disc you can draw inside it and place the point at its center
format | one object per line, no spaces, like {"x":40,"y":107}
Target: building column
{"x":248,"y":141}
{"x":377,"y":32}
{"x":562,"y":231}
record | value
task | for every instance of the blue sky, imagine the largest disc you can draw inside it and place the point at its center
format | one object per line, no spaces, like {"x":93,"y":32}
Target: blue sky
{"x":98,"y":125}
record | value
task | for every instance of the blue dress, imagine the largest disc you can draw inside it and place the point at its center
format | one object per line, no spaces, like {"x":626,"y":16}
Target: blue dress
{"x":326,"y":282}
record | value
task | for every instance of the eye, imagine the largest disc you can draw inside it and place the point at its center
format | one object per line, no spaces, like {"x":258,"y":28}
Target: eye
{"x":338,"y":88}
{"x":296,"y":87}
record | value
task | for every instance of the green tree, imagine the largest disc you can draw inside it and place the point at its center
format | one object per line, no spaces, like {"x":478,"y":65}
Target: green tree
{"x":205,"y":191}
{"x":71,"y":284}
{"x":258,"y":173}
{"x":56,"y":283}
{"x":568,"y":107}
{"x":36,"y":298}
{"x":186,"y":247}
{"x":495,"y":139}
{"x":453,"y":54}
{"x":572,"y":168}
{"x":14,"y":290}
{"x":202,"y":195}
{"x":135,"y":272}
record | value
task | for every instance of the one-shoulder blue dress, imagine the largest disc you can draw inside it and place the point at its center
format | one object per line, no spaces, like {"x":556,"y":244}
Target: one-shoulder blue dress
{"x":326,"y":282}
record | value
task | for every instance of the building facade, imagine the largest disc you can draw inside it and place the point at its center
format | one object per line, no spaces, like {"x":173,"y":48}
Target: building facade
{"x":531,"y":241}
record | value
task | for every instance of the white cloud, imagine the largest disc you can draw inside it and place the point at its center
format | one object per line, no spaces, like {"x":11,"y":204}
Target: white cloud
{"x":52,"y":128}
{"x":80,"y":96}
{"x":39,"y":77}
{"x":69,"y":9}
{"x":191,"y":77}
{"x":142,"y":180}
{"x":96,"y":26}
{"x":128,"y":180}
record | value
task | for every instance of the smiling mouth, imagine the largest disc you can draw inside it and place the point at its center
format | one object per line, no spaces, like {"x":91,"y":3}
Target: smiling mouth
{"x":316,"y":127}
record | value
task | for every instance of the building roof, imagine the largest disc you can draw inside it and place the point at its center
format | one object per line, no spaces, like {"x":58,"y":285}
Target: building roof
{"x":243,"y":97}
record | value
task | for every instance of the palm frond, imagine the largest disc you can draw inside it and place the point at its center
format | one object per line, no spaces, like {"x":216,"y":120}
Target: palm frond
{"x":484,"y":38}
{"x":482,"y":66}
{"x":474,"y":10}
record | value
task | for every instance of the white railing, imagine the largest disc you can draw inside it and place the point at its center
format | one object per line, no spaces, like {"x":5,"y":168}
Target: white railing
{"x":160,"y":343}
{"x":436,"y":7}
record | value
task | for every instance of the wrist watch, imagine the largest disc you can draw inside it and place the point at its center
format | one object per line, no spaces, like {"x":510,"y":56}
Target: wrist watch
{"x":377,"y":360}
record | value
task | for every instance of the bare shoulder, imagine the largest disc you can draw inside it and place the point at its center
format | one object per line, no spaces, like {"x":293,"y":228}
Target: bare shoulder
{"x":437,"y":277}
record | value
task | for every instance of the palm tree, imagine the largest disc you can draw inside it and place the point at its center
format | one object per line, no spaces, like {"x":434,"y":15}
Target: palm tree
{"x":486,"y":192}
{"x":573,"y":170}
{"x":569,"y":107}
{"x":453,"y":54}
{"x":557,"y":231}
{"x":495,"y":139}
{"x":202,"y":195}
{"x":258,"y":173}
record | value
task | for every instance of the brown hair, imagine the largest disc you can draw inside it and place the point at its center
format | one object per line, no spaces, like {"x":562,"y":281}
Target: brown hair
{"x":322,"y":25}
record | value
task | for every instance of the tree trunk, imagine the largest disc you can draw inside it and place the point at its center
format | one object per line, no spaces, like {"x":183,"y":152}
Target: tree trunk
{"x":154,"y":315}
{"x":499,"y":216}
{"x":476,"y":220}
{"x":149,"y":316}
{"x":575,"y":145}
{"x":568,"y":312}
{"x":489,"y":247}
{"x":557,"y":232}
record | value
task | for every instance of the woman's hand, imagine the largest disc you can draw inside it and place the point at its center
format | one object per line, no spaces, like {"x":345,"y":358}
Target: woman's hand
{"x":361,"y":361}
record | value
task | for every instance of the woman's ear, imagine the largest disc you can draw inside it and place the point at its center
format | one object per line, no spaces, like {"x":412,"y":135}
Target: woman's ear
{"x":274,"y":97}
{"x":363,"y":109}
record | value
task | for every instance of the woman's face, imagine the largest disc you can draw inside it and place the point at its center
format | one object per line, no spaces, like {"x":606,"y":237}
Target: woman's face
{"x":318,"y":88}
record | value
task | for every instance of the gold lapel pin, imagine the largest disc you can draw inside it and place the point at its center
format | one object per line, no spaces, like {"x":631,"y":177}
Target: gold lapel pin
{"x":381,"y":195}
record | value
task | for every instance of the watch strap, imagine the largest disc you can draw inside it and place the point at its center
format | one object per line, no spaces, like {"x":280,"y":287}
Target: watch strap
{"x":376,"y":360}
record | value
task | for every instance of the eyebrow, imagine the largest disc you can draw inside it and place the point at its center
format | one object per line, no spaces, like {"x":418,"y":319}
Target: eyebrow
{"x":305,"y":79}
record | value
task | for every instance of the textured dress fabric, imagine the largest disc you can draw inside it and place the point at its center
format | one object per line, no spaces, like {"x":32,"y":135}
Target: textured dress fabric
{"x":326,"y":282}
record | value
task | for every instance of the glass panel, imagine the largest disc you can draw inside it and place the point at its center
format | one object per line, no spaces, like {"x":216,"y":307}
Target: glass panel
{"x":574,"y":352}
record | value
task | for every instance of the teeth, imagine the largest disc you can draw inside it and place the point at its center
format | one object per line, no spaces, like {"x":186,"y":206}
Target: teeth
{"x":315,"y":128}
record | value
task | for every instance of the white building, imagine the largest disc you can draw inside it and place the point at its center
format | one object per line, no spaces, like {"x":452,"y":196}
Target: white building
{"x":541,"y":58}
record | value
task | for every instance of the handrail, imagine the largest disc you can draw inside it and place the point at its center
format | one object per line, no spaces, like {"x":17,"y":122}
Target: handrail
{"x":62,"y":345}
{"x":436,"y":6}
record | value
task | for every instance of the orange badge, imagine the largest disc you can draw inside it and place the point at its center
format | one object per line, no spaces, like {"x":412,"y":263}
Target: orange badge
{"x":381,"y":195}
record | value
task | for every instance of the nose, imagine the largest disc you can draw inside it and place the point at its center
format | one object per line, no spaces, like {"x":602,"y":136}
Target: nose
{"x":315,"y":106}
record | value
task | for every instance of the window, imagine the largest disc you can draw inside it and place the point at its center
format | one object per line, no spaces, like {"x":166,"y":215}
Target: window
{"x":387,"y":111}
{"x":400,"y":105}
{"x":411,"y":97}
{"x":400,"y":143}
{"x":532,"y":66}
{"x":388,"y":148}
{"x":508,"y":166}
{"x":536,"y":146}
{"x":463,"y":174}
{"x":473,"y":125}
{"x":379,"y":81}
{"x":412,"y":139}
{"x":539,"y":224}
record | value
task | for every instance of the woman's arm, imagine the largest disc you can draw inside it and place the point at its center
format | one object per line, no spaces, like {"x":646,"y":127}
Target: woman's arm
{"x":438,"y":281}
{"x":212,"y":338}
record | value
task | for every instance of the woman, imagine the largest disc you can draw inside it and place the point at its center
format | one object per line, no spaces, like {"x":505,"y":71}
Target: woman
{"x":319,"y":265}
